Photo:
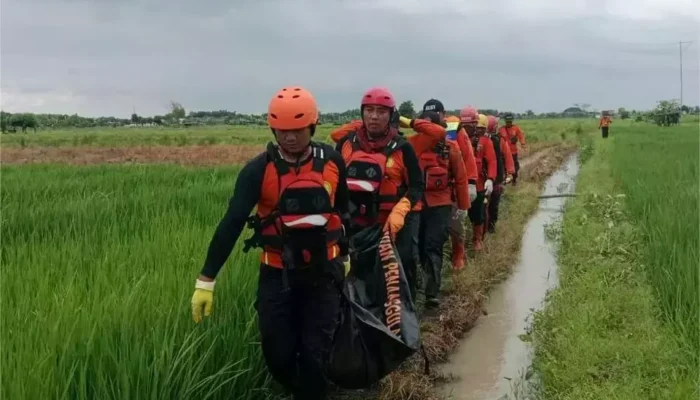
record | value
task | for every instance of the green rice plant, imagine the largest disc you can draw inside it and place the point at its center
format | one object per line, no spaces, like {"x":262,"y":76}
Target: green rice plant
{"x":658,"y":170}
{"x":98,"y":266}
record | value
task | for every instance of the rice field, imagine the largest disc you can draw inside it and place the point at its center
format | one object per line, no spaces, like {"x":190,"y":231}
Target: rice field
{"x":658,"y":169}
{"x":623,"y":322}
{"x":98,"y":267}
{"x":536,"y":130}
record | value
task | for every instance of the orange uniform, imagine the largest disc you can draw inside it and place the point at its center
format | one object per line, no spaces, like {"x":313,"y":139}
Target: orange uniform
{"x":485,"y":162}
{"x":605,"y":121}
{"x":512,"y":135}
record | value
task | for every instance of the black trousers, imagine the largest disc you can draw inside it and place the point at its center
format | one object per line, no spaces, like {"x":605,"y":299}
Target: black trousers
{"x":477,"y":211}
{"x":433,"y":235}
{"x":407,"y":247}
{"x":494,"y":203}
{"x":297,"y":326}
{"x":604,"y":131}
{"x":517,"y":167}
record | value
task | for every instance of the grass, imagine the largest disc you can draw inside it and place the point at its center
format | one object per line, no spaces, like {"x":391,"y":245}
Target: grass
{"x":536,"y":130}
{"x":99,"y":265}
{"x":608,"y":331}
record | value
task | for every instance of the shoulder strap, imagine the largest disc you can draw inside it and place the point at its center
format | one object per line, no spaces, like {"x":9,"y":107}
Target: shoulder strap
{"x":393,"y":145}
{"x":320,"y":157}
{"x":274,"y":156}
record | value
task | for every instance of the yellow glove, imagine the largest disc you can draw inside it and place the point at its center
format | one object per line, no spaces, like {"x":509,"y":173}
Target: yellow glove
{"x":346,"y":263}
{"x":404,"y":122}
{"x":203,"y":298}
{"x":396,"y":218}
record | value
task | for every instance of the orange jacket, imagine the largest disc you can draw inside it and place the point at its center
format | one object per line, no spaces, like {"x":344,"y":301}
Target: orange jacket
{"x":427,"y":137}
{"x":459,"y":176}
{"x":512,"y":135}
{"x":445,"y":175}
{"x":507,"y":157}
{"x":485,"y":162}
{"x":605,"y":122}
{"x":456,"y":133}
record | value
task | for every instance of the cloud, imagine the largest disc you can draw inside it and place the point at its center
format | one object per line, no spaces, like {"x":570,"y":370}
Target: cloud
{"x":104,"y":57}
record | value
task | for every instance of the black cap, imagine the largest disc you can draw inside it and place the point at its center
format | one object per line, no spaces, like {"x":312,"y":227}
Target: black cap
{"x":433,"y":105}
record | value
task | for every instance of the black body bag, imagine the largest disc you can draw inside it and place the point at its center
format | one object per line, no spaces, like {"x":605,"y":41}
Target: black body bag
{"x":378,"y":327}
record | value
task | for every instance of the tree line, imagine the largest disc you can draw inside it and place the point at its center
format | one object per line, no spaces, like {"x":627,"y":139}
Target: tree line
{"x":178,"y":116}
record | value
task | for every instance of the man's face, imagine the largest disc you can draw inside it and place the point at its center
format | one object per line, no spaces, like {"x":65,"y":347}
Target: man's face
{"x":293,"y":141}
{"x":470,"y":127}
{"x":480,"y":131}
{"x":376,"y":119}
{"x":442,"y":117}
{"x":509,"y":123}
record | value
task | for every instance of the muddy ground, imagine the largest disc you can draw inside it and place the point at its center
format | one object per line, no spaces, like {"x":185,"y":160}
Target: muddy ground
{"x":199,"y":155}
{"x":180,"y":155}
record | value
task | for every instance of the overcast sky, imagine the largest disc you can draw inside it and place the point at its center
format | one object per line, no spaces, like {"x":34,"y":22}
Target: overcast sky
{"x":103,"y":57}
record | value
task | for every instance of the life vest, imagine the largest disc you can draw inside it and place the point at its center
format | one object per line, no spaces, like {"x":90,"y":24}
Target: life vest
{"x":500,"y":159}
{"x":304,"y":224}
{"x":369,"y":190}
{"x":435,"y":167}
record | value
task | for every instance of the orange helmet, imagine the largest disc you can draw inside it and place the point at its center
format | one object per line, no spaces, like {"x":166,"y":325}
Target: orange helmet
{"x":492,"y":125}
{"x":469,"y":114}
{"x":293,"y":107}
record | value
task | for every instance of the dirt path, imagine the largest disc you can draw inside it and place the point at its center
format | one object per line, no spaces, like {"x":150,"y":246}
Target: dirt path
{"x":182,"y":155}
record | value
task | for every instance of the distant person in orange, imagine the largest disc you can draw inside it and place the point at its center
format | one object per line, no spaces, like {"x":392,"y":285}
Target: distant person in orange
{"x":604,"y":125}
{"x":445,"y":178}
{"x":486,"y":164}
{"x":504,"y":175}
{"x":385,"y":182}
{"x":513,"y":134}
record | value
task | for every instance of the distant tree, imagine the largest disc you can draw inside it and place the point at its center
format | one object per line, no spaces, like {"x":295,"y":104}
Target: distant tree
{"x":406,"y":109}
{"x":134,"y":118}
{"x":530,"y":113}
{"x":4,"y":121}
{"x":667,"y":113}
{"x":177,"y":111}
{"x":624,"y":114}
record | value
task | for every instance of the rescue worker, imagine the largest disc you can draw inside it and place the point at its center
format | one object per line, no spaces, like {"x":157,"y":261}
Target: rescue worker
{"x":445,"y":176}
{"x":456,"y":132}
{"x":486,"y":164}
{"x":604,"y":124}
{"x":300,"y":190}
{"x":385,"y":183}
{"x":513,"y":134}
{"x":504,"y":173}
